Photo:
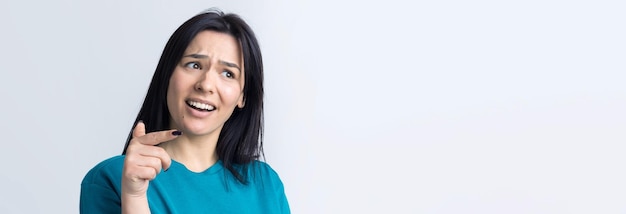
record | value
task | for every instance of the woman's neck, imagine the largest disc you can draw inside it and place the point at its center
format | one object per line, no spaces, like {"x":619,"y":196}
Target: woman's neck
{"x":197,"y":153}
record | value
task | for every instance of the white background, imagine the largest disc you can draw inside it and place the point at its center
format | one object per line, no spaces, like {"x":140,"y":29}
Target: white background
{"x":372,"y":107}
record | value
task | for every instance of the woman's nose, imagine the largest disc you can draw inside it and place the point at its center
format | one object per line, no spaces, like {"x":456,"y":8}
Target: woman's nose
{"x":205,"y":82}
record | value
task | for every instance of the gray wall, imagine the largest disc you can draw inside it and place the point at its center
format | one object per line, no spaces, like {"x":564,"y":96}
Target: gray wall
{"x":378,"y":107}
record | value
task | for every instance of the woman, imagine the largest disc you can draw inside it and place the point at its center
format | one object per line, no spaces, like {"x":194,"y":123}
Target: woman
{"x":197,"y":138}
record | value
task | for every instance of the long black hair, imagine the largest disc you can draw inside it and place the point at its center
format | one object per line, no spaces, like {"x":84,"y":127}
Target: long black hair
{"x":241,"y":140}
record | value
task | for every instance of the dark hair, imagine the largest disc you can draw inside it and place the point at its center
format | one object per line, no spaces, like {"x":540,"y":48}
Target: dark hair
{"x":241,"y":139}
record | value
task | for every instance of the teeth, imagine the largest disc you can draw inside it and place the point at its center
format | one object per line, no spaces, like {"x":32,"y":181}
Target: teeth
{"x":201,"y":105}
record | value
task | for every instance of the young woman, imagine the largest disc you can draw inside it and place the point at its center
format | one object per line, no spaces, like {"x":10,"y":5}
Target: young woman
{"x":197,"y":139}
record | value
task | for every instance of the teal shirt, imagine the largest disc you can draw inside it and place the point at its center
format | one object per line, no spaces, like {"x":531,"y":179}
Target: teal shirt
{"x":179,"y":190}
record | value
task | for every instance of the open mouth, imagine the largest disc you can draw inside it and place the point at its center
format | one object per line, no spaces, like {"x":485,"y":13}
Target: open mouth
{"x":200,"y":106}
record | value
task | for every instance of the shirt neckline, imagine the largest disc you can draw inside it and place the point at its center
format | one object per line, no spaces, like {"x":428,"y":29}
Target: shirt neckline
{"x":211,"y":170}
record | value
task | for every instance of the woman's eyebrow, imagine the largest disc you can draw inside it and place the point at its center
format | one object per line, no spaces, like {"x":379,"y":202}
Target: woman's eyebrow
{"x":197,"y":56}
{"x":200,"y":56}
{"x":230,"y":64}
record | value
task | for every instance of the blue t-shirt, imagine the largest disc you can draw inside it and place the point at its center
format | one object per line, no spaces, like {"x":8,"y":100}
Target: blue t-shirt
{"x":179,"y":190}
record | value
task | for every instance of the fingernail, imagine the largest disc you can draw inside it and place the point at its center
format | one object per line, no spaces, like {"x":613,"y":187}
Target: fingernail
{"x":176,"y":133}
{"x":165,"y":170}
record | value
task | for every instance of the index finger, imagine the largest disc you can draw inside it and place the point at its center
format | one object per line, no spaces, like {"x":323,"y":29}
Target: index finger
{"x":154,"y":138}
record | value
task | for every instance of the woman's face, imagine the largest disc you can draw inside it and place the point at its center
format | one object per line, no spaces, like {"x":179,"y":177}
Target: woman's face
{"x":207,"y":84}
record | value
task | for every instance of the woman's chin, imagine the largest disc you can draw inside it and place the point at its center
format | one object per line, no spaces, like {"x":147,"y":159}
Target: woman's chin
{"x":197,"y":130}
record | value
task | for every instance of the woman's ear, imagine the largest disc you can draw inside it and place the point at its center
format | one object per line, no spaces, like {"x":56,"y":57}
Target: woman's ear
{"x":242,"y":102}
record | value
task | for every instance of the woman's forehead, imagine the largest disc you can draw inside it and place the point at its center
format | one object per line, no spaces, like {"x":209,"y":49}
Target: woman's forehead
{"x":215,"y":44}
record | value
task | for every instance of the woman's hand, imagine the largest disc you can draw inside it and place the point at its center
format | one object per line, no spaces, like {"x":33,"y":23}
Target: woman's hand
{"x":142,"y":163}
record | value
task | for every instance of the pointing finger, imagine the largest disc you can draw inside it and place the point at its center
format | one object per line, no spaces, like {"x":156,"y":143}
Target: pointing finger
{"x":154,"y":138}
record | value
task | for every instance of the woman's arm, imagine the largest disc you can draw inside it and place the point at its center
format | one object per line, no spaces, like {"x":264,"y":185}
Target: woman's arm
{"x":143,"y":163}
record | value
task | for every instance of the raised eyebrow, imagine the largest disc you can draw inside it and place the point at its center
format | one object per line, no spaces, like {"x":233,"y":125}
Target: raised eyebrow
{"x":230,"y":64}
{"x":200,"y":56}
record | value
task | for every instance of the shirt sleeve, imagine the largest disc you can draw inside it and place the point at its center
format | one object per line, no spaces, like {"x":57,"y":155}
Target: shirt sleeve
{"x":98,"y":199}
{"x":284,"y":204}
{"x":279,"y":190}
{"x":101,"y":187}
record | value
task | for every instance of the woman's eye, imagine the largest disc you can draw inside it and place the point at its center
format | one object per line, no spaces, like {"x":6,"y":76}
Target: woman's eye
{"x":192,"y":65}
{"x":228,"y":74}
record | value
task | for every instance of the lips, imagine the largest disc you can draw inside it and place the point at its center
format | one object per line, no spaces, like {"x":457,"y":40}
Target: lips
{"x":199,"y":105}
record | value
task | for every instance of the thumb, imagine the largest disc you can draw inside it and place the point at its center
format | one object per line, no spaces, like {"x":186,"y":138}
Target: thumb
{"x":139,"y":130}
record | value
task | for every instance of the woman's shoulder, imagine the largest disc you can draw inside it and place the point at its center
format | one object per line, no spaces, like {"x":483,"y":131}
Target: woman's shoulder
{"x":267,"y":174}
{"x":108,"y":170}
{"x":263,"y":167}
{"x":270,"y":186}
